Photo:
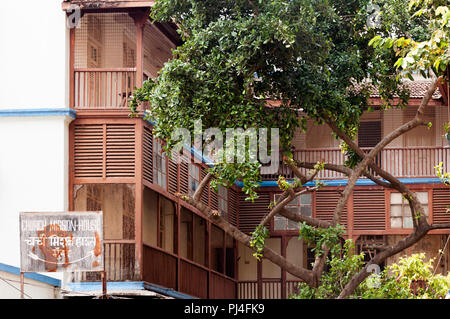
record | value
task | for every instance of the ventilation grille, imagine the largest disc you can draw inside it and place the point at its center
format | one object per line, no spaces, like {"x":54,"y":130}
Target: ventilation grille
{"x":369,"y":210}
{"x":441,"y":200}
{"x":251,"y":213}
{"x":104,"y":150}
{"x":326,"y":202}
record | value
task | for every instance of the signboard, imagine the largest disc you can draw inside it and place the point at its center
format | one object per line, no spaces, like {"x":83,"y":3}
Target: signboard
{"x":51,"y":242}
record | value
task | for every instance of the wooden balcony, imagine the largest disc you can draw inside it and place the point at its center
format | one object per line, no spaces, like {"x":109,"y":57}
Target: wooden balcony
{"x":119,"y":261}
{"x":103,"y":88}
{"x":407,"y":162}
{"x":172,"y":271}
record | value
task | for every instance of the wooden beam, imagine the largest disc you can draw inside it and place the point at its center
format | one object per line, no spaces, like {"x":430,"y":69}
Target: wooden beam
{"x":98,"y":5}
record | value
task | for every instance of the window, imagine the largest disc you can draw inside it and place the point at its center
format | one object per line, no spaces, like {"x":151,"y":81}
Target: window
{"x":301,"y":204}
{"x":159,"y":166}
{"x":194,"y":178}
{"x":223,"y":201}
{"x":401,"y":212}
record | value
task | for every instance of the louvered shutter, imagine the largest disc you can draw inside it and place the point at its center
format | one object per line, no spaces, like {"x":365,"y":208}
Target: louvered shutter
{"x":369,"y":211}
{"x":104,"y":150}
{"x":147,"y":155}
{"x":251,"y":213}
{"x":232,"y":207}
{"x":441,"y":200}
{"x":173,"y":174}
{"x":326,"y":201}
{"x":120,"y":150}
{"x":88,"y":151}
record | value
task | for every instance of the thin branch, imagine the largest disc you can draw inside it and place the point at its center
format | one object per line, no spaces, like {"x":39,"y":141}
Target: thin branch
{"x":297,"y":217}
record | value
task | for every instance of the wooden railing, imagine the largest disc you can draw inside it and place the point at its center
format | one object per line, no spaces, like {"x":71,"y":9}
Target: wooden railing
{"x":270,"y":289}
{"x":171,"y":271}
{"x":119,"y":261}
{"x":401,"y":162}
{"x":99,"y":88}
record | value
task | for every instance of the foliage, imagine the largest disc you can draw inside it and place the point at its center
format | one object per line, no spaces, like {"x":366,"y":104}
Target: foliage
{"x":318,"y":237}
{"x":237,"y":55}
{"x":259,"y":236}
{"x":394,"y":282}
{"x":417,"y":54}
{"x":343,"y":265}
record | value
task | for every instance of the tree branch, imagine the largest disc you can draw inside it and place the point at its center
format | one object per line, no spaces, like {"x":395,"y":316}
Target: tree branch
{"x":234,"y":232}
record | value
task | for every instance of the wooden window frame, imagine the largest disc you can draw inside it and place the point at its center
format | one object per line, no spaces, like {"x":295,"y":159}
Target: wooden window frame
{"x":402,"y":230}
{"x":156,"y":171}
{"x":289,"y":232}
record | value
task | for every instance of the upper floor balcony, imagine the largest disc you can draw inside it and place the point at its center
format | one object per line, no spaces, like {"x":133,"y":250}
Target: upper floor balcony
{"x":112,"y":53}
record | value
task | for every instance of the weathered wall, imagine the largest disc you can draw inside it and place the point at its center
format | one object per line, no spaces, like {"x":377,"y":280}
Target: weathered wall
{"x":430,"y":245}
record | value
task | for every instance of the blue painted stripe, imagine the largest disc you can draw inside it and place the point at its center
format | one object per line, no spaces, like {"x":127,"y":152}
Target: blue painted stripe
{"x":359,"y":182}
{"x":38,"y":112}
{"x":38,"y":277}
{"x":111,"y":285}
{"x":125,"y":285}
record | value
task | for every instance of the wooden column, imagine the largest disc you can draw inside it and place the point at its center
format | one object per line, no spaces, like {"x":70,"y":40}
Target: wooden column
{"x":139,"y":198}
{"x":284,"y":241}
{"x":71,"y":69}
{"x":140,"y":18}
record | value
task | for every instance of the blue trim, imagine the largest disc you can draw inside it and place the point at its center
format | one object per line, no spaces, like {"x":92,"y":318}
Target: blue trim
{"x":126,"y":285}
{"x":167,"y":291}
{"x":113,"y":285}
{"x":38,"y":277}
{"x":359,"y":182}
{"x":38,"y":112}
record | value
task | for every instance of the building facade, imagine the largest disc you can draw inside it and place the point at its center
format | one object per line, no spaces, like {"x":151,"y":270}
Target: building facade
{"x":75,"y":148}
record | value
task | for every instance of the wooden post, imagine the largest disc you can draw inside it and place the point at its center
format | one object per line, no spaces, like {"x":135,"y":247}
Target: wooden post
{"x":139,"y":199}
{"x":22,"y":285}
{"x":140,"y":18}
{"x":104,"y":288}
{"x":284,"y":241}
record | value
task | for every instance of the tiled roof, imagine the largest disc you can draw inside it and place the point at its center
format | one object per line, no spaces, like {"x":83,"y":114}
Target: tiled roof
{"x":417,"y":89}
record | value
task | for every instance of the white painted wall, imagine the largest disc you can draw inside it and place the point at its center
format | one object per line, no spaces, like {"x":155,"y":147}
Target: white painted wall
{"x":34,"y":58}
{"x":33,"y":174}
{"x":34,"y":50}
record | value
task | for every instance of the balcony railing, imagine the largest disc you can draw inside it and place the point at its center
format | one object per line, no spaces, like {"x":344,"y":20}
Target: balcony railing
{"x":103,"y":88}
{"x":270,"y":289}
{"x":119,"y":261}
{"x":401,"y":162}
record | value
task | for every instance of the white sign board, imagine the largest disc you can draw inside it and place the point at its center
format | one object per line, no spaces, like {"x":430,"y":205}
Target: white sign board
{"x":51,"y":242}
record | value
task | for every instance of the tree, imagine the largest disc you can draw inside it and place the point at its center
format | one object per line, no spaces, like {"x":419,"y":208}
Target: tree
{"x":308,"y":55}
